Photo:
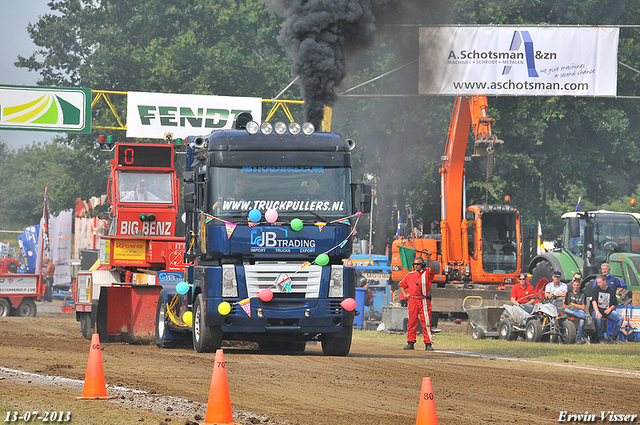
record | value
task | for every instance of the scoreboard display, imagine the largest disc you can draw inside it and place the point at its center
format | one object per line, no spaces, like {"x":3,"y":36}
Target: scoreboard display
{"x":144,"y":155}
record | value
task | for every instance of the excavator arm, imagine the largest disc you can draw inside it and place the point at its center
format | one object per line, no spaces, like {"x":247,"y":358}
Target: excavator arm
{"x":468,"y":112}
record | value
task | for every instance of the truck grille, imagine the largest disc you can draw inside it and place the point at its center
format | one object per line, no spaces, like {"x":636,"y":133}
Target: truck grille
{"x":305,"y":283}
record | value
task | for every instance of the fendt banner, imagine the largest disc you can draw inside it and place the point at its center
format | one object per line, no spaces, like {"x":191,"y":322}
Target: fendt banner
{"x":153,"y":115}
{"x":518,"y":61}
{"x":45,"y":109}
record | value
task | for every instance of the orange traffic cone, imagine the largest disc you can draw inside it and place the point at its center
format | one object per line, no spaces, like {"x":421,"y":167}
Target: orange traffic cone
{"x":219,"y":404}
{"x":94,"y":386}
{"x":427,"y":407}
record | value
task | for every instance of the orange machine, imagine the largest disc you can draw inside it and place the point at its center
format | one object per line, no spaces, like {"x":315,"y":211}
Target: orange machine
{"x":121,"y":294}
{"x":478,"y":245}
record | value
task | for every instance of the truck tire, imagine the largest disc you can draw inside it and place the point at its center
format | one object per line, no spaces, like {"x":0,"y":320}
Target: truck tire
{"x":12,"y":268}
{"x":27,"y":308}
{"x":86,"y":325}
{"x":568,"y":329}
{"x":505,"y":332}
{"x":5,"y":308}
{"x":160,"y":325}
{"x":533,"y":331}
{"x":541,"y":275}
{"x":337,"y":344}
{"x":206,"y":339}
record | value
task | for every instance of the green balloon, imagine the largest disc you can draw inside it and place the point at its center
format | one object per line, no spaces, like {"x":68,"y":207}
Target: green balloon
{"x":296,"y":224}
{"x":322,"y":260}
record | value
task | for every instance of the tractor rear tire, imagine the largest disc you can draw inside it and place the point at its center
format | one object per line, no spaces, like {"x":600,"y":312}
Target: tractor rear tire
{"x":541,"y":275}
{"x":206,"y":339}
{"x":533,"y":331}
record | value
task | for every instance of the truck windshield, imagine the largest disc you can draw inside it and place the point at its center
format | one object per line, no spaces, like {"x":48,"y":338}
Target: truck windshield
{"x":499,"y":243}
{"x":154,"y":188}
{"x":292,"y":191}
{"x":615,"y":233}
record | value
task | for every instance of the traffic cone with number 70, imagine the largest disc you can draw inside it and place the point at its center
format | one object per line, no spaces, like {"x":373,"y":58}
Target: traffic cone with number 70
{"x":219,"y":404}
{"x":427,"y":408}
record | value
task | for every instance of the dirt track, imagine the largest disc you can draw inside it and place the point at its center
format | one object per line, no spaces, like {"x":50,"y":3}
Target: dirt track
{"x":378,"y":383}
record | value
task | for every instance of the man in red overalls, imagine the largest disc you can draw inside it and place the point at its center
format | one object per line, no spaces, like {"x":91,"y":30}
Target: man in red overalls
{"x":416,"y":286}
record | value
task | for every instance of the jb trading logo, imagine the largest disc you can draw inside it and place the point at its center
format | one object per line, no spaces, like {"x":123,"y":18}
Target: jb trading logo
{"x":277,"y":238}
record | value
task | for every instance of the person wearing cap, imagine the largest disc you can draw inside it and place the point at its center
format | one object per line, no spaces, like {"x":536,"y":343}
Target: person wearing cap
{"x":557,"y":288}
{"x":416,"y":287}
{"x":140,"y":194}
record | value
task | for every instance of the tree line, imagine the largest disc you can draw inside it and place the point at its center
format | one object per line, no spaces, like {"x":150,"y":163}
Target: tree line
{"x":556,"y":149}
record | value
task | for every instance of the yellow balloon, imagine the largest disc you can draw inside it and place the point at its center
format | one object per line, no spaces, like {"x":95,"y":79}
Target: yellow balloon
{"x":187,"y":318}
{"x":224,"y":308}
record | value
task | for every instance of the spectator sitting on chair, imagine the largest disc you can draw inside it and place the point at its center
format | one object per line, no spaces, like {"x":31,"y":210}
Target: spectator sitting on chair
{"x":575,"y":303}
{"x":557,"y":288}
{"x":604,"y":301}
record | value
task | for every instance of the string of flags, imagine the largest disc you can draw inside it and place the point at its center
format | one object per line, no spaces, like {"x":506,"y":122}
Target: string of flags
{"x":255,"y":220}
{"x":283,"y":281}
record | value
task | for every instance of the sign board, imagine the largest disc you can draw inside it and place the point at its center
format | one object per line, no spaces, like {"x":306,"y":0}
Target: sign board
{"x":519,"y":61}
{"x":56,"y":109}
{"x":152,"y":115}
{"x":18,"y":284}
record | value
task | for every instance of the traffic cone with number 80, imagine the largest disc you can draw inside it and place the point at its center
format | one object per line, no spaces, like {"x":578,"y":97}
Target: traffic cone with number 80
{"x":427,"y":407}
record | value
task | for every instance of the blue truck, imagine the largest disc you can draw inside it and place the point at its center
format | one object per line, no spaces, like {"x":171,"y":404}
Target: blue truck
{"x":270,"y":214}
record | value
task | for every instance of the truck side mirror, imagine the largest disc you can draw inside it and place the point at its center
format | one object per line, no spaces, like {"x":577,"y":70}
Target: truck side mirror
{"x":574,"y":227}
{"x":189,"y":197}
{"x":529,"y":232}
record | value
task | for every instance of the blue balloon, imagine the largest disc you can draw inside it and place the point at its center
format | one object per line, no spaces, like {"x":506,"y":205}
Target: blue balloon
{"x":182,"y":287}
{"x":255,"y":215}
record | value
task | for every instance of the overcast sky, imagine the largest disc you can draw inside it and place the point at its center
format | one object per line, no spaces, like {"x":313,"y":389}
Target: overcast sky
{"x":16,"y":41}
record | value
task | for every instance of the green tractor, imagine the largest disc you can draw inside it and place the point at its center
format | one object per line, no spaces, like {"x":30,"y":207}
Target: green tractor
{"x":589,"y":239}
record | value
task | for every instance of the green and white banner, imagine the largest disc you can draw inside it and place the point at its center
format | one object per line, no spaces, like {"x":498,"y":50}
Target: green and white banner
{"x":65,"y":110}
{"x":153,"y":115}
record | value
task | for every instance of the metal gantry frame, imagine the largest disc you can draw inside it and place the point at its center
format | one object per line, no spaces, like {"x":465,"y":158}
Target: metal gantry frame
{"x":277,"y":104}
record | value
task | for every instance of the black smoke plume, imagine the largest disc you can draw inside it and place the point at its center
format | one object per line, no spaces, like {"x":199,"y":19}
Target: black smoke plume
{"x":317,"y":35}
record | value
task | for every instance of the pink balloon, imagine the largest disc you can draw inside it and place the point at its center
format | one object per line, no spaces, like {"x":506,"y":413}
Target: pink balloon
{"x":271,"y":215}
{"x":348,"y":304}
{"x":266,"y":295}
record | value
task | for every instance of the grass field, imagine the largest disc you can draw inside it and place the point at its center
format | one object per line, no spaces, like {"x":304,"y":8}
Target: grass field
{"x":623,"y":355}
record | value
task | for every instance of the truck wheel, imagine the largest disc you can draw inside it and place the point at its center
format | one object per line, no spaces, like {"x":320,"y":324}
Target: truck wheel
{"x":206,"y":339}
{"x":505,"y":332}
{"x":86,"y":325}
{"x":160,"y":314}
{"x":533,"y":331}
{"x":12,"y":268}
{"x":5,"y":308}
{"x":337,"y":345}
{"x":477,"y":333}
{"x":568,"y":329}
{"x":27,"y":308}
{"x":541,"y":275}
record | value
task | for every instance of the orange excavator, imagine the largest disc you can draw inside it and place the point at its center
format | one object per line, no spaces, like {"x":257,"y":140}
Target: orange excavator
{"x":478,"y":250}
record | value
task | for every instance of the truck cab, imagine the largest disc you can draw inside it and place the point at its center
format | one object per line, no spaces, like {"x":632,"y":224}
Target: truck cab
{"x":271,"y":211}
